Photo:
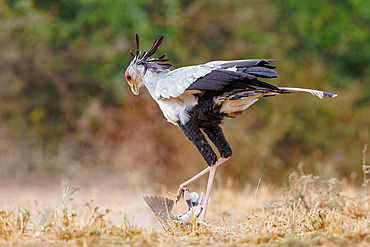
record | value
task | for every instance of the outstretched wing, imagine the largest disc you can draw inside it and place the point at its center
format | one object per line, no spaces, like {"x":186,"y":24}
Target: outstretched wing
{"x":216,"y":75}
{"x":161,"y":207}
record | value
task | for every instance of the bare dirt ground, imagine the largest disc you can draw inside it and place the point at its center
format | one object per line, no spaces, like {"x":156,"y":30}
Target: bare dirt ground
{"x":129,"y":202}
{"x":309,"y":211}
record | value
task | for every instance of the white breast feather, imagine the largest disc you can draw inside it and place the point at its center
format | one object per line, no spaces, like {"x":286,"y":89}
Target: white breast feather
{"x":176,"y":109}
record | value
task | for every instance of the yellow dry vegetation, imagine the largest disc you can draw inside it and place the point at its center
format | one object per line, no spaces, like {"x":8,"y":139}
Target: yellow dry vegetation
{"x":308,"y":211}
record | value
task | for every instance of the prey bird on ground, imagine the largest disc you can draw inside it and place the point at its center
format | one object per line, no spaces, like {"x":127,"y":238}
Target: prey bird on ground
{"x":162,"y":208}
{"x":197,"y":98}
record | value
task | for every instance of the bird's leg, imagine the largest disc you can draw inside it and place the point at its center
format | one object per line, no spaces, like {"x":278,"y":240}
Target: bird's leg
{"x":216,"y":135}
{"x":183,"y":186}
{"x":211,"y":177}
{"x":195,"y":135}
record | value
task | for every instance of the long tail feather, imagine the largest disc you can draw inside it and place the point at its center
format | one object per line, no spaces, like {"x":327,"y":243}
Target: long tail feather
{"x":317,"y":93}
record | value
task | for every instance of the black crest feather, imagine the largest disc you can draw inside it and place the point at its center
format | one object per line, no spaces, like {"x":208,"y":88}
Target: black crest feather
{"x":143,"y":58}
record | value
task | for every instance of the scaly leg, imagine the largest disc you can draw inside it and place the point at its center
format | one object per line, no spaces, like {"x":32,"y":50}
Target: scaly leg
{"x":211,"y":177}
{"x":215,"y":134}
{"x":183,"y":186}
{"x":195,"y":135}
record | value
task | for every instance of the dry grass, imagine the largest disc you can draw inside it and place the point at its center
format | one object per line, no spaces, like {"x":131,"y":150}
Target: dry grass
{"x":309,"y":211}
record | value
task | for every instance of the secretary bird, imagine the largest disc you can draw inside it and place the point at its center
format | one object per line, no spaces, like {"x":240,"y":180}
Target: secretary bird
{"x":197,"y":98}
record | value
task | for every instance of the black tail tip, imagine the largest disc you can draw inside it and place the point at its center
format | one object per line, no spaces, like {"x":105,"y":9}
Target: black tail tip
{"x":330,"y":95}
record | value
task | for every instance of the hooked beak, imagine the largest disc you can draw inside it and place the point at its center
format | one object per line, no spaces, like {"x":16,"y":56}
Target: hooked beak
{"x":134,"y":88}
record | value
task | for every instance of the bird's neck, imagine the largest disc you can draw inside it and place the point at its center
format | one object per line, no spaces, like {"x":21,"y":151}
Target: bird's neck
{"x":151,"y":79}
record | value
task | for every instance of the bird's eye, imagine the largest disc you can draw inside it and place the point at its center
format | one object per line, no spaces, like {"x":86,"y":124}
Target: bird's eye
{"x":128,"y":77}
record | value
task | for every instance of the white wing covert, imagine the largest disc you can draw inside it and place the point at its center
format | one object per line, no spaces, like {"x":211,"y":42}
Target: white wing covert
{"x":177,"y":81}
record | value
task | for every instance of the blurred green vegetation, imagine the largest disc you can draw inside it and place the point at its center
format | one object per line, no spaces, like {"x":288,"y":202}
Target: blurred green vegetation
{"x":59,"y":58}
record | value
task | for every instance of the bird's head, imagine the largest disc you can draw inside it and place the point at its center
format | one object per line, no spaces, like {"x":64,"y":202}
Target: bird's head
{"x":141,"y":62}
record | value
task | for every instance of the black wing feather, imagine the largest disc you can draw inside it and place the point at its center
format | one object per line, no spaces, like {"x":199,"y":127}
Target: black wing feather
{"x":263,"y":84}
{"x":219,"y":79}
{"x":261,"y":72}
{"x":216,"y":80}
{"x":245,"y":76}
{"x":249,"y":63}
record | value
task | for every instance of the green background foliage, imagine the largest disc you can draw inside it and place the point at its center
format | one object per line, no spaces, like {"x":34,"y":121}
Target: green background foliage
{"x":58,"y":58}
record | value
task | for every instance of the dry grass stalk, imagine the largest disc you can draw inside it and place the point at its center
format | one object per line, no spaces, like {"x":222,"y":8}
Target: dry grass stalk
{"x":365,"y":168}
{"x":310,"y":211}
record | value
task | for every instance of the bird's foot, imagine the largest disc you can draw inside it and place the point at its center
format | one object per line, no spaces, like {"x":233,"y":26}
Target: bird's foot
{"x":180,"y":192}
{"x":184,"y":185}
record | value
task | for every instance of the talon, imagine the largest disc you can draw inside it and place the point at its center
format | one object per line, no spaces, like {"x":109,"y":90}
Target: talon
{"x":180,"y":192}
